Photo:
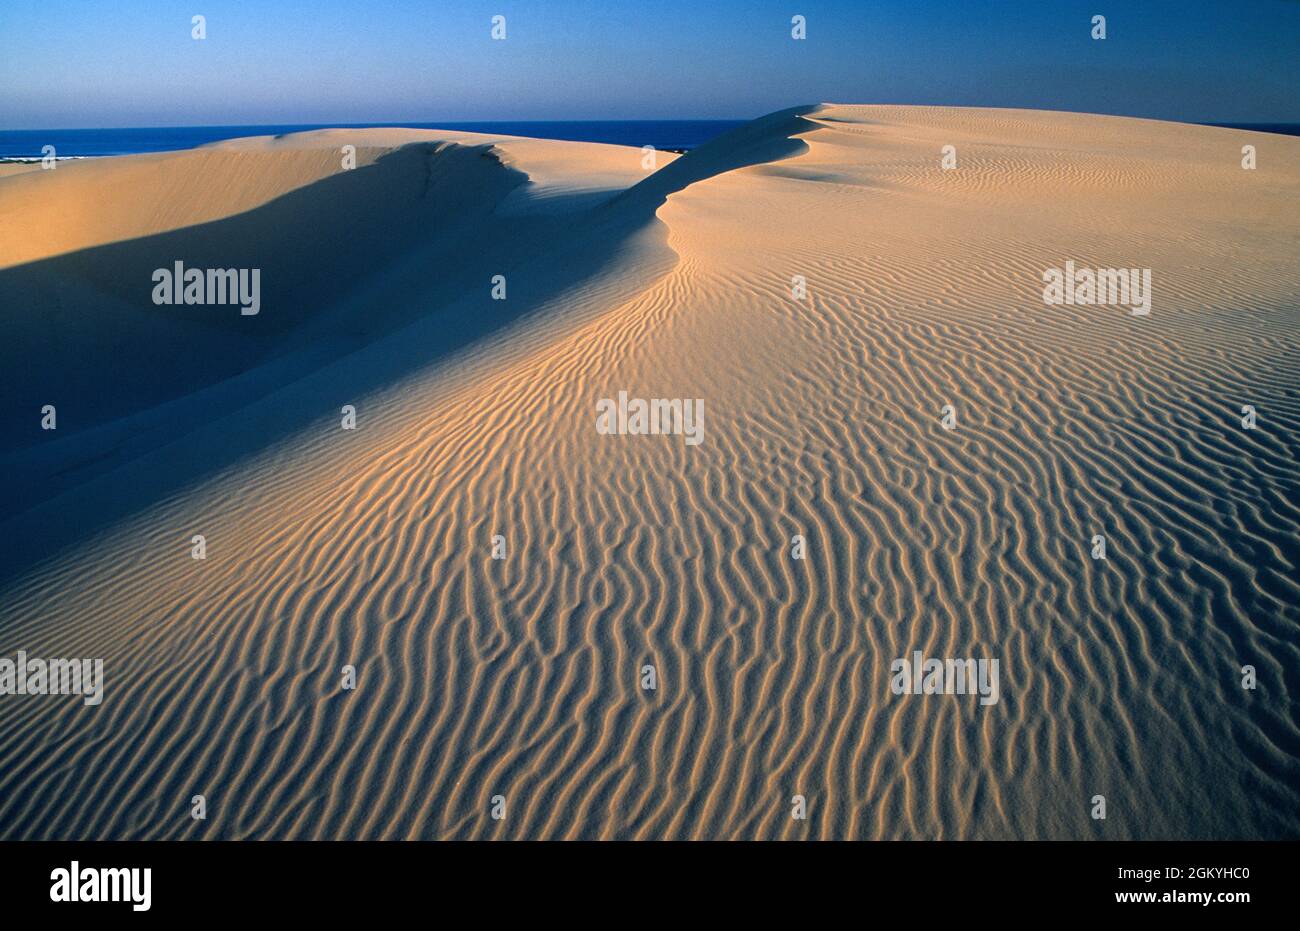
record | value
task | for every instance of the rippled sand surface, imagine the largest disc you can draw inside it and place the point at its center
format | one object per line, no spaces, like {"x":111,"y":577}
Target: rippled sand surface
{"x":522,"y":677}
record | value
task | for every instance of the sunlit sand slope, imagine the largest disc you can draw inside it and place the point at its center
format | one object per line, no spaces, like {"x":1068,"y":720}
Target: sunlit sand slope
{"x":516,"y":683}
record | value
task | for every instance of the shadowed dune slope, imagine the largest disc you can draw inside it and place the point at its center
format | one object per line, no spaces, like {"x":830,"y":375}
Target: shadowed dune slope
{"x":418,"y":228}
{"x":520,"y":677}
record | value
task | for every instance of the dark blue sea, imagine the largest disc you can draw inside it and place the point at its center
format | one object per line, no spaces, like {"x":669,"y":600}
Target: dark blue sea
{"x":69,"y":143}
{"x":1286,"y":129}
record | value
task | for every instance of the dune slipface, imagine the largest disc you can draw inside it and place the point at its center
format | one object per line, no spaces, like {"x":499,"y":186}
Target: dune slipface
{"x":878,"y":375}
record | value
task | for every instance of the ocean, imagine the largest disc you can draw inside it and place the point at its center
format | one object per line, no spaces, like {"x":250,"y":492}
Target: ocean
{"x":1285,"y":129}
{"x":79,"y":143}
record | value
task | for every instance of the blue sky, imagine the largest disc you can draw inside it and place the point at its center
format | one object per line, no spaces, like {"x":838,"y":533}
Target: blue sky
{"x":80,"y":63}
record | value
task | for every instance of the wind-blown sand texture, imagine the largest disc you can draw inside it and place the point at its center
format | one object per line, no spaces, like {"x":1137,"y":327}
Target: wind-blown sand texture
{"x":520,"y":677}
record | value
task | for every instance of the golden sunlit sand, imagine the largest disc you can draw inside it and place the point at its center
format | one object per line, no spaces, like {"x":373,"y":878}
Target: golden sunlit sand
{"x":477,"y":418}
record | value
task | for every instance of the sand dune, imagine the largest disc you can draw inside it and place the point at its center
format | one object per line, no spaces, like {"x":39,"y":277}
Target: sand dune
{"x":521,"y":677}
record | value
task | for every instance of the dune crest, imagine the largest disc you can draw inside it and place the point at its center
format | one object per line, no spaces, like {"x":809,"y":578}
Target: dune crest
{"x":828,"y":289}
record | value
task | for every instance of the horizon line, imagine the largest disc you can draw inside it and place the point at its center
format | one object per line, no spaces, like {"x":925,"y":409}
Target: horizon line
{"x":378,"y":124}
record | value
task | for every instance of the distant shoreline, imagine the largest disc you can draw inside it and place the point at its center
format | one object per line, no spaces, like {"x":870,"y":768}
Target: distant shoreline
{"x":665,"y":135}
{"x":679,"y":136}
